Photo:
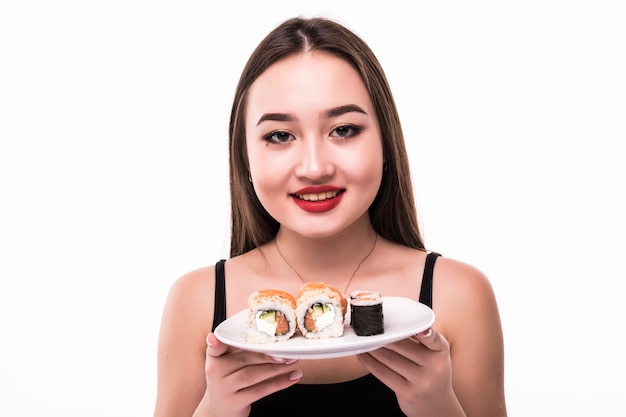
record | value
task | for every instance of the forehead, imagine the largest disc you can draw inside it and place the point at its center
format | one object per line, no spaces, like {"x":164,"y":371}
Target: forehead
{"x":305,"y":83}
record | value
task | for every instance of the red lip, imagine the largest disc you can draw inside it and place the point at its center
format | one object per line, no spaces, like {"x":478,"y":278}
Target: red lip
{"x":318,"y":189}
{"x":318,"y":206}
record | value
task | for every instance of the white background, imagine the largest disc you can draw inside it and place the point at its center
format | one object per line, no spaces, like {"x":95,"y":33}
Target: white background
{"x":113,"y":180}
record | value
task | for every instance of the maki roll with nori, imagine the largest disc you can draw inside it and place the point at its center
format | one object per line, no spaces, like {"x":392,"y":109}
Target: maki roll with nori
{"x":366,"y":313}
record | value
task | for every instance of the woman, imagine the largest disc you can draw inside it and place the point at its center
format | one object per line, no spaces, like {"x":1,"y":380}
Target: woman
{"x":321,"y":191}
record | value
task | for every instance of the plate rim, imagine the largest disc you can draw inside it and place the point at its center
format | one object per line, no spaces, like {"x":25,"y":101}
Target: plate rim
{"x":333,"y":350}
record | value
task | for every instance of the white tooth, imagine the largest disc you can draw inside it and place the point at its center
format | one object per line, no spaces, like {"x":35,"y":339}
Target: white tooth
{"x":318,"y":197}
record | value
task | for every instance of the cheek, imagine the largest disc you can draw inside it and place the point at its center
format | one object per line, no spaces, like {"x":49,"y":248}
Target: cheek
{"x":372,"y":178}
{"x":267,"y":181}
{"x":271,"y":192}
{"x":257,"y":160}
{"x":375,"y":176}
{"x":366,"y":168}
{"x":269,"y":177}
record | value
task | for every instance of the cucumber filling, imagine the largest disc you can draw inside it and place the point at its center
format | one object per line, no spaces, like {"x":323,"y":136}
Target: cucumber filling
{"x":323,"y":315}
{"x":268,"y":321}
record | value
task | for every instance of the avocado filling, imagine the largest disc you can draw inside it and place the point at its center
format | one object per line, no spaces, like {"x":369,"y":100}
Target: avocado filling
{"x":272,"y":322}
{"x":319,"y":315}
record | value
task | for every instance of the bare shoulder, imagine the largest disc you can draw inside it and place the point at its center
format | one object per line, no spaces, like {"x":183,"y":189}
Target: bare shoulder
{"x":186,"y":321}
{"x":188,"y":312}
{"x":467,"y":315}
{"x":191,"y":297}
{"x":463,"y":297}
{"x":194,"y":281}
{"x":459,"y":278}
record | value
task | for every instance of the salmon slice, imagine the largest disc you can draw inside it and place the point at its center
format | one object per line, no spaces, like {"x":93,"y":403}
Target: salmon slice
{"x":309,"y":322}
{"x":282,"y":326}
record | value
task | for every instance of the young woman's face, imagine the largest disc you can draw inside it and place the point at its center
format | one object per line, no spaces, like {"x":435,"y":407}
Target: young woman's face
{"x":313,"y":143}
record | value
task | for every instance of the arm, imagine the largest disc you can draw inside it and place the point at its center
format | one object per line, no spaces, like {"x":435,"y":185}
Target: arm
{"x":244,"y":377}
{"x":476,"y":342}
{"x":187,"y":317}
{"x":189,"y":361}
{"x":456,"y":369}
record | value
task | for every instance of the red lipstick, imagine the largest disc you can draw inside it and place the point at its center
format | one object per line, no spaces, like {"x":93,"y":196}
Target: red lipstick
{"x":318,"y":199}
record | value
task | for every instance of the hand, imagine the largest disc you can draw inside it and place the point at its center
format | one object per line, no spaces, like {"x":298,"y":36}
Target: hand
{"x":418,"y":370}
{"x":236,"y":378}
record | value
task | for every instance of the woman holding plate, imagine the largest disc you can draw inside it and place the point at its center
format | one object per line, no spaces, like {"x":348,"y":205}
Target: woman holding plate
{"x":321,"y":191}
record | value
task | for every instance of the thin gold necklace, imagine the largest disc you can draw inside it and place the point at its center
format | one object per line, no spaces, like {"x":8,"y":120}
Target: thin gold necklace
{"x":351,"y":276}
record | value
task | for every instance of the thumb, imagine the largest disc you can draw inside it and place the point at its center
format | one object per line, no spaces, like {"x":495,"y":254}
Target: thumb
{"x":214,"y":346}
{"x":433,"y":340}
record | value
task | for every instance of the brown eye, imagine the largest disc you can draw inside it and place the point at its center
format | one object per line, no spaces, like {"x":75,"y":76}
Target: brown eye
{"x":279,"y":137}
{"x":345,"y":131}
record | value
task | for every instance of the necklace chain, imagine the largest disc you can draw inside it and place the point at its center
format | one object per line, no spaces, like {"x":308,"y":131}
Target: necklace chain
{"x":353,"y":272}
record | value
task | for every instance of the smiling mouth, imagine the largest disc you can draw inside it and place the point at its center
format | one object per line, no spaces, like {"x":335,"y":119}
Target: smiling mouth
{"x":317,"y":196}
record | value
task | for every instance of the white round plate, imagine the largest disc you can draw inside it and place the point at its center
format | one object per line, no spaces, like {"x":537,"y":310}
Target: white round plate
{"x":402,"y":317}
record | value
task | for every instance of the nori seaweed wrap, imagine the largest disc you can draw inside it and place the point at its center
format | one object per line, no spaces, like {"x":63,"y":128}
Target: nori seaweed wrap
{"x":366,"y":313}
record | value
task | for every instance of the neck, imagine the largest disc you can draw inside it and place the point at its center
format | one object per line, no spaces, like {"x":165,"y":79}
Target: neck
{"x":335,"y":260}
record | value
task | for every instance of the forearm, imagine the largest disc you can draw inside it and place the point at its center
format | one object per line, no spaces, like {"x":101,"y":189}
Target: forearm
{"x":204,"y":409}
{"x":448,"y":406}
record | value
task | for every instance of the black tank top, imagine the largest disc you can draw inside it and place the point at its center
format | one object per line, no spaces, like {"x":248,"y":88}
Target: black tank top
{"x":363,"y":397}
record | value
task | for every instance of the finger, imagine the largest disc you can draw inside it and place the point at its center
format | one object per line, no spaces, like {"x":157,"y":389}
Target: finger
{"x":270,"y":385}
{"x":415,"y":350}
{"x":245,"y":368}
{"x":381,"y":370}
{"x":432,"y":340}
{"x":215,"y":348}
{"x":418,"y":347}
{"x":252,"y":375}
{"x":395,"y":360}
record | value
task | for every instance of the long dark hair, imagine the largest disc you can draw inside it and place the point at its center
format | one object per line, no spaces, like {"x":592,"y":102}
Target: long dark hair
{"x":392,"y":213}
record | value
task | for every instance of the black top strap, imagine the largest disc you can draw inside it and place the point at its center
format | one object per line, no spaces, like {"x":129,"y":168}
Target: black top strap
{"x":426,"y":292}
{"x":219,"y":312}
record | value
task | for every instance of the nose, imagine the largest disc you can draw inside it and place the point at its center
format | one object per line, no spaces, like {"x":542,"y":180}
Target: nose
{"x":316,"y":162}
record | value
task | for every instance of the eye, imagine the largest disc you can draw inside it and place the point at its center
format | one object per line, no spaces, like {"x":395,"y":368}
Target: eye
{"x":345,"y":131}
{"x":279,"y":137}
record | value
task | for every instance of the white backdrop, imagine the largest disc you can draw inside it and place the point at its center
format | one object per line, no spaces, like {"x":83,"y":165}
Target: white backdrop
{"x":113,"y":180}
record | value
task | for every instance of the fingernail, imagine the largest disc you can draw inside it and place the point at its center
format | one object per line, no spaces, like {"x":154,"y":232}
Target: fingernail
{"x":295,"y":375}
{"x":427,"y":333}
{"x":208,"y":342}
{"x":278,"y":359}
{"x":290,"y":361}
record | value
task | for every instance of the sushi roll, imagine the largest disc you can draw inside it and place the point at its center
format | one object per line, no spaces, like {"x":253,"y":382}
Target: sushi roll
{"x":366,"y":313}
{"x":271,"y":316}
{"x":320,"y":311}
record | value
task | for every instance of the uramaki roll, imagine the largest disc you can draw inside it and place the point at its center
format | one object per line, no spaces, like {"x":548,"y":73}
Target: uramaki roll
{"x":271,"y":316}
{"x":320,"y":311}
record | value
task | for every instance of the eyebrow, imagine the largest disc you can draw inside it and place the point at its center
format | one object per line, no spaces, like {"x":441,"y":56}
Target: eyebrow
{"x":329,"y":114}
{"x":278,"y":117}
{"x":348,"y":108}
